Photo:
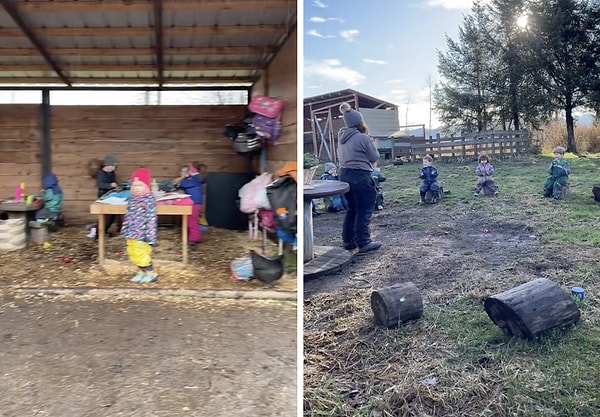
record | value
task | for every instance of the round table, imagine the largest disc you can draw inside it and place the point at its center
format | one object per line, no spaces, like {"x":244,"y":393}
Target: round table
{"x":320,"y":260}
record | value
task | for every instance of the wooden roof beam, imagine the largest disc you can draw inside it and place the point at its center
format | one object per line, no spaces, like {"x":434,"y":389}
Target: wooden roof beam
{"x":234,"y":50}
{"x":14,"y":67}
{"x":73,"y":32}
{"x":158,"y":33}
{"x":12,"y":11}
{"x":128,"y":80}
{"x":100,"y":6}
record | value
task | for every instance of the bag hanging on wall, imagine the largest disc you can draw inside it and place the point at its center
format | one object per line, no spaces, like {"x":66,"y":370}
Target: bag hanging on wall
{"x":244,"y":144}
{"x":267,"y":118}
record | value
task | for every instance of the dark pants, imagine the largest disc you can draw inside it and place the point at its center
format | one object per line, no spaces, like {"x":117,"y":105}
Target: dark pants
{"x":361,"y":201}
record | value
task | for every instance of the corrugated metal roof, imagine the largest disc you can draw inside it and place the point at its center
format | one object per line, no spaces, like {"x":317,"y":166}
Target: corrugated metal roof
{"x":220,"y":41}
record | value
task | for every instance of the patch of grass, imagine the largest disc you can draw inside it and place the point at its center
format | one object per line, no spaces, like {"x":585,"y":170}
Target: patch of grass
{"x":353,"y":368}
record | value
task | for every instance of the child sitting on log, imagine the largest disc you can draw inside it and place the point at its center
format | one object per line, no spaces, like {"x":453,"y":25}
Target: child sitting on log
{"x":52,"y":197}
{"x":140,"y":225}
{"x":191,"y":181}
{"x":429,"y":175}
{"x":485,"y":172}
{"x":559,"y":171}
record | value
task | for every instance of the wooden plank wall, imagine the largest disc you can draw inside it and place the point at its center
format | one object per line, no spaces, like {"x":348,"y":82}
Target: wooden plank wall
{"x":280,"y":80}
{"x":161,"y":138}
{"x":19,"y":148}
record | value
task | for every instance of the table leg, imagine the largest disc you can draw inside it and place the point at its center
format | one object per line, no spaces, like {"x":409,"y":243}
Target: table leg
{"x":308,"y":231}
{"x":184,"y":238}
{"x":101,"y":233}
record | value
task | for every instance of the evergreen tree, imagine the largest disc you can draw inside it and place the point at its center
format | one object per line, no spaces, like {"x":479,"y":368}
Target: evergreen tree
{"x":564,"y":44}
{"x":463,"y":98}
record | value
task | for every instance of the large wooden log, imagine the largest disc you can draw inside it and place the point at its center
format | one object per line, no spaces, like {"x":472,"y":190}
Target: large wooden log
{"x":531,"y":309}
{"x":397,"y":304}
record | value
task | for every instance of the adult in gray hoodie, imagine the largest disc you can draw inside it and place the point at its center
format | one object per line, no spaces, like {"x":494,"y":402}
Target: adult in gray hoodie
{"x":357,"y":153}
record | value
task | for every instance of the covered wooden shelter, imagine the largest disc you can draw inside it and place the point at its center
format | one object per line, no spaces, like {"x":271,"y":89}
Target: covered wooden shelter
{"x":171,"y":46}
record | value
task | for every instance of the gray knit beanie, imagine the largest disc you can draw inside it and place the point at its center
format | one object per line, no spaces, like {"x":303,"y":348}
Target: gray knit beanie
{"x":110,"y":160}
{"x":352,"y":118}
{"x":329,"y":166}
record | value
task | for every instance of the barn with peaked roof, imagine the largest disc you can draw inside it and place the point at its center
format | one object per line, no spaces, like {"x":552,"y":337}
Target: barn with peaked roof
{"x":322,"y":120}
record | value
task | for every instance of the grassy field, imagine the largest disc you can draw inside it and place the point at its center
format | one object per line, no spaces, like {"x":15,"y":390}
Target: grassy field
{"x":454,"y":361}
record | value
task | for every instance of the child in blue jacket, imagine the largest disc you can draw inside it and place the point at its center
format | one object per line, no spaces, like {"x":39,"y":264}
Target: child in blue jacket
{"x":191,"y":182}
{"x":52,"y":196}
{"x":429,"y":175}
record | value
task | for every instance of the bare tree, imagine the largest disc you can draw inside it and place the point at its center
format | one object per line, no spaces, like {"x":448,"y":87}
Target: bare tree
{"x":430,"y":87}
{"x":406,"y":115}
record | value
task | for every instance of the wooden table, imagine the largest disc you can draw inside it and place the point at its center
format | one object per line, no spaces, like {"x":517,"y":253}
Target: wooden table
{"x":102,"y":209}
{"x":321,"y":260}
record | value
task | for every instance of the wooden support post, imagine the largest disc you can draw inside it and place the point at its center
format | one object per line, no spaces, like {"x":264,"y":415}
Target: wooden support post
{"x":45,"y":140}
{"x":531,"y":309}
{"x":398,"y":304}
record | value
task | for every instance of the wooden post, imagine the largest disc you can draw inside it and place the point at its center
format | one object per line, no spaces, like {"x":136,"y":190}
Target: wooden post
{"x":529,"y":310}
{"x":397,"y":304}
{"x":45,"y":140}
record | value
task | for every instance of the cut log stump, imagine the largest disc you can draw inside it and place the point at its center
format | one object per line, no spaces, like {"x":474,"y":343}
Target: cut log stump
{"x":397,"y":304}
{"x":596,"y":192}
{"x":529,"y":310}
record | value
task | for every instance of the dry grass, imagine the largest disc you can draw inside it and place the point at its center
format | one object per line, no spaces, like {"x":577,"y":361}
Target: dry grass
{"x":208,"y":268}
{"x":554,"y":134}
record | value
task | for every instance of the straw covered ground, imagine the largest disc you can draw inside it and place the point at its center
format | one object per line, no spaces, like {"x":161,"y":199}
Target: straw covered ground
{"x":454,"y":361}
{"x":71,"y":261}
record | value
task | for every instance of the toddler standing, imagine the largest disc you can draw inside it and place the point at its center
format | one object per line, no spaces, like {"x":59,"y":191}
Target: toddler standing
{"x":429,"y":175}
{"x":106,"y":180}
{"x":485,"y":172}
{"x":191,"y":183}
{"x":140,"y":225}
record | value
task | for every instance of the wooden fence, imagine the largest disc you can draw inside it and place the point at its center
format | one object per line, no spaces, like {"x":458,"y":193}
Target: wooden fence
{"x":492,"y":143}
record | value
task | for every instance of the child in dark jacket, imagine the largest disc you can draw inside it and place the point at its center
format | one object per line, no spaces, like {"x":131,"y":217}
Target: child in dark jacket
{"x":191,"y":182}
{"x":140,"y":225}
{"x":429,"y":175}
{"x":52,"y":196}
{"x":334,"y":203}
{"x":106,"y":180}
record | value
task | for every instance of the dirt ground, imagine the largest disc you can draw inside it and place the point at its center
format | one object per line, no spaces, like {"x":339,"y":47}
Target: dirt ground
{"x":208,"y":268}
{"x":83,"y":357}
{"x":430,"y":247}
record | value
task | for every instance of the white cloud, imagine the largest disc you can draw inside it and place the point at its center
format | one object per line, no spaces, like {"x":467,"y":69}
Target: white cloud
{"x":451,"y":4}
{"x":349,"y":35}
{"x":332,"y":62}
{"x":332,"y":70}
{"x":319,"y":4}
{"x":395,"y":81}
{"x":316,"y":33}
{"x":317,"y":19}
{"x":375,"y":61}
{"x":313,"y":87}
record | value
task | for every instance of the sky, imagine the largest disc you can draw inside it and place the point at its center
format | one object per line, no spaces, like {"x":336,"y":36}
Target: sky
{"x":384,"y":48}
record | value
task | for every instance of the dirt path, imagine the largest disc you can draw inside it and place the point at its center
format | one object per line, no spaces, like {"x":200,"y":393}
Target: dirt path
{"x":82,"y":357}
{"x":431,"y":247}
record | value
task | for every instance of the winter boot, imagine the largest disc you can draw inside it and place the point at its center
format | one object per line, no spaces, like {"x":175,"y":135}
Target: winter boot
{"x":150,"y":276}
{"x":138,"y":277}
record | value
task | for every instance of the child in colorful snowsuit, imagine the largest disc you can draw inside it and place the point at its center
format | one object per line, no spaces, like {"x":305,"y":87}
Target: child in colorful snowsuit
{"x":559,"y":171}
{"x":52,"y":196}
{"x":335,"y":203}
{"x":191,"y":182}
{"x":485,"y":172}
{"x":429,"y":175}
{"x":140,"y":225}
